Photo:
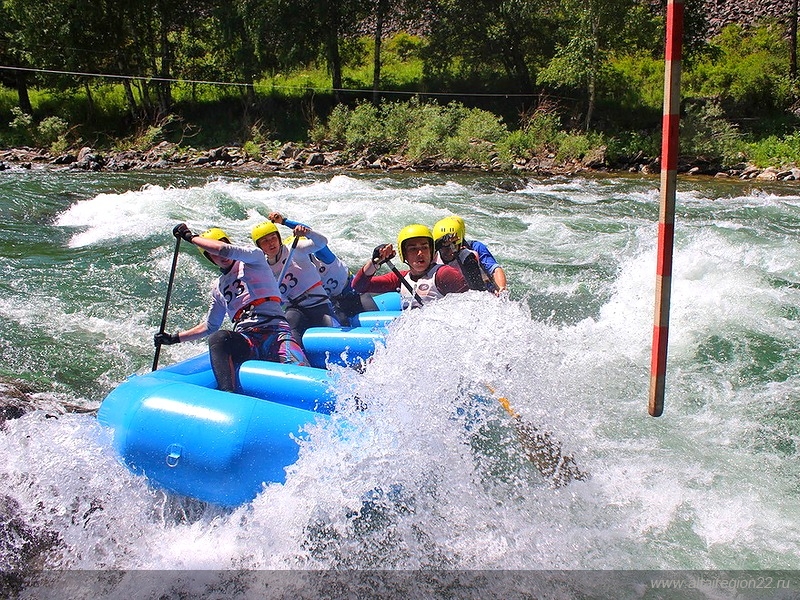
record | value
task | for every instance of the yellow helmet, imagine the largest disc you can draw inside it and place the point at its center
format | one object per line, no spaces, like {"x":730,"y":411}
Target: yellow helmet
{"x":413,"y":231}
{"x":290,"y":240}
{"x":449,"y":226}
{"x":262,"y":230}
{"x":460,"y":224}
{"x":215,"y":233}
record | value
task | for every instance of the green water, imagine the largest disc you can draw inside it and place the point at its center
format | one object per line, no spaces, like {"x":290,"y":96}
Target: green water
{"x":710,"y":485}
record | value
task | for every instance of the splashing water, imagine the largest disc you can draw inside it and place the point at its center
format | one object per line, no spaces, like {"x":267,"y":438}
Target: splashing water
{"x":432,"y":475}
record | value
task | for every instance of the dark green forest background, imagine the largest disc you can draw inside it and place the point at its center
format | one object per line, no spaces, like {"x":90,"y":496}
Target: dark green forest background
{"x":481,"y":80}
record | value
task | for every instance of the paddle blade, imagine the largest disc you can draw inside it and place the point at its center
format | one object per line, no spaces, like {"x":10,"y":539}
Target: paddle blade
{"x":545,"y":453}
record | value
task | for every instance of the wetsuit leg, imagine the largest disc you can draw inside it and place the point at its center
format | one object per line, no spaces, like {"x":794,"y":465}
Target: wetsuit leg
{"x":285,"y":348}
{"x":297,"y":322}
{"x":351,"y":304}
{"x":339,"y":312}
{"x":325,"y":317}
{"x":320,"y":315}
{"x":228,"y":350}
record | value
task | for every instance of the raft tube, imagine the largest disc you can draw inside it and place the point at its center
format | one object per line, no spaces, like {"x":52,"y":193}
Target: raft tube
{"x":345,"y":346}
{"x":375,"y":318}
{"x":219,"y":447}
{"x":388,"y":301}
{"x":174,"y":427}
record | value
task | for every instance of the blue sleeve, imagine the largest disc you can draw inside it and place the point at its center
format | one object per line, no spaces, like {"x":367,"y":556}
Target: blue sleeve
{"x":325,"y":255}
{"x":485,"y":257}
{"x":292,"y":224}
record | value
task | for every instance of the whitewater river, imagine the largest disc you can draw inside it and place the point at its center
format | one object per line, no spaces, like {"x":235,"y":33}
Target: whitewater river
{"x":414,"y":486}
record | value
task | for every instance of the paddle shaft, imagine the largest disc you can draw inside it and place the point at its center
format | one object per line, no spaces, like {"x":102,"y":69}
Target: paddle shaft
{"x":163,"y":326}
{"x":403,"y":281}
{"x":288,"y":260}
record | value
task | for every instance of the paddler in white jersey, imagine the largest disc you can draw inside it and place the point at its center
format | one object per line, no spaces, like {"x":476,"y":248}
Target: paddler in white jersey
{"x":423,"y":282}
{"x":246,"y":291}
{"x":305,"y":300}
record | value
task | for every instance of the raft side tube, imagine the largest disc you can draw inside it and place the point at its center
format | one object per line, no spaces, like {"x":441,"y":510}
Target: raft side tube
{"x":196,"y":370}
{"x":375,"y":318}
{"x":308,"y":388}
{"x":215,"y":446}
{"x":388,"y":301}
{"x":345,"y":346}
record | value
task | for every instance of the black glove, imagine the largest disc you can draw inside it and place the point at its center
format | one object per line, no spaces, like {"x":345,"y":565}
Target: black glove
{"x":166,"y":339}
{"x":182,"y":231}
{"x":376,"y":255}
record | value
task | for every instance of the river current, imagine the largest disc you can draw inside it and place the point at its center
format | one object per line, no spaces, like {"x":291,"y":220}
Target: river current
{"x":712,"y":485}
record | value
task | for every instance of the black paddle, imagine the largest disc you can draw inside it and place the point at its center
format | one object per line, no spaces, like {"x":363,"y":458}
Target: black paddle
{"x":403,"y":280}
{"x":542,"y":449}
{"x":469,"y":265}
{"x":166,"y":302}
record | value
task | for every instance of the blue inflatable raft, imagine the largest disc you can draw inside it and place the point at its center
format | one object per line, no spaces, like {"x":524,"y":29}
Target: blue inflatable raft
{"x":174,"y":427}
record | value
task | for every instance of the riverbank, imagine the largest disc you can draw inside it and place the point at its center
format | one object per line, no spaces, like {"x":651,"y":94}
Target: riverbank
{"x":292,"y":157}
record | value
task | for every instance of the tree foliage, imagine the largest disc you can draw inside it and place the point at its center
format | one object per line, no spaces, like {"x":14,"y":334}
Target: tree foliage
{"x":582,"y":52}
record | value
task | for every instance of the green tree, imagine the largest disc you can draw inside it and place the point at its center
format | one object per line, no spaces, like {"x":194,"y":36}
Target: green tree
{"x":401,"y":12}
{"x":591,"y":31}
{"x":11,"y":56}
{"x":287,"y":34}
{"x":53,"y":35}
{"x":477,"y":41}
{"x":793,"y":40}
{"x":80,"y":37}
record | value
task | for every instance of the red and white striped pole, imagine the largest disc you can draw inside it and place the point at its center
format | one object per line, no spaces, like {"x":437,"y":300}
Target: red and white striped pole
{"x":666,"y":219}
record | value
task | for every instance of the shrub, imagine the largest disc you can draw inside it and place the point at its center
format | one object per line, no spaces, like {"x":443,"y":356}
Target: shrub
{"x":706,"y":134}
{"x":364,"y":131}
{"x":404,"y":46}
{"x":636,"y":81}
{"x":623,"y":147}
{"x":398,"y":119}
{"x":433,"y":125}
{"x":482,"y":125}
{"x":517,"y":145}
{"x":540,"y":134}
{"x":335,"y":129}
{"x":52,"y":134}
{"x":774,"y":150}
{"x":745,"y":72}
{"x":575,"y":146}
{"x":252,"y":149}
{"x":22,"y":126}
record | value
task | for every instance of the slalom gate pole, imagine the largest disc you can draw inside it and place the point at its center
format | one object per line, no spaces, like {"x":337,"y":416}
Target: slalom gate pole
{"x":666,"y":222}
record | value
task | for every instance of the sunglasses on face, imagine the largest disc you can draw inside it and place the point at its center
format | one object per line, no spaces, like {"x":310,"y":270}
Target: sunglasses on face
{"x":446,"y":240}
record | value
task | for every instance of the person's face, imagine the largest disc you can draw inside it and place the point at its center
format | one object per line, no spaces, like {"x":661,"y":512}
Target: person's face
{"x":417,"y":254}
{"x":447,"y":251}
{"x":270,"y":244}
{"x":221,"y":262}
